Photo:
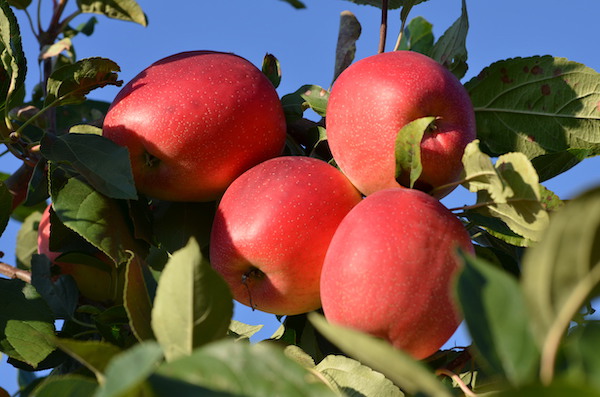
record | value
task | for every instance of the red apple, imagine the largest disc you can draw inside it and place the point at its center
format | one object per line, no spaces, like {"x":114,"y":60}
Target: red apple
{"x":95,"y":275}
{"x":389,"y":270}
{"x":375,"y":97}
{"x":195,"y":121}
{"x":272,"y":229}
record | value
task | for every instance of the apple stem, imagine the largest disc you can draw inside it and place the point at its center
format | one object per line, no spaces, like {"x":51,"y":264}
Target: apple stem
{"x":15,"y":273}
{"x":383,"y":28}
{"x":250,"y":274}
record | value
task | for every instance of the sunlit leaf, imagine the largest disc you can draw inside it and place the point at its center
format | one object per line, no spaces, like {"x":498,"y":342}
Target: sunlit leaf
{"x":538,"y":106}
{"x":408,"y":148}
{"x":407,"y":373}
{"x":14,"y":64}
{"x":137,"y":299}
{"x":202,"y":298}
{"x":417,"y":36}
{"x":126,"y":10}
{"x":70,"y":84}
{"x":242,"y":330}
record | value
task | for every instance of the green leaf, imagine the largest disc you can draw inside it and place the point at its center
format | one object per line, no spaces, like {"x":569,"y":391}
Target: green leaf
{"x":202,"y":298}
{"x":295,"y":3}
{"x":61,"y":296}
{"x":417,"y":36}
{"x":125,"y":10}
{"x":410,"y":375}
{"x":103,"y":222}
{"x":408,"y":148}
{"x":451,"y":49}
{"x":508,"y":190}
{"x":26,"y":323}
{"x":272,"y":69}
{"x":12,"y":76}
{"x":230,"y":368}
{"x":71,"y":83}
{"x":137,"y":299}
{"x":243,"y":331}
{"x":348,"y":34}
{"x":352,"y":378}
{"x":27,"y":240}
{"x":392,"y":4}
{"x":126,"y":374}
{"x":95,"y":355}
{"x":538,"y":106}
{"x":103,"y":163}
{"x":306,"y":97}
{"x":552,"y":164}
{"x":488,"y":297}
{"x":553,"y":390}
{"x":581,"y":363}
{"x":19,"y":4}
{"x":562,"y":272}
{"x":65,"y":386}
{"x":5,"y":206}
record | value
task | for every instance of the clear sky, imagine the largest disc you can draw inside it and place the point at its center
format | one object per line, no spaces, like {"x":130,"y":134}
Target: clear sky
{"x":304,"y":41}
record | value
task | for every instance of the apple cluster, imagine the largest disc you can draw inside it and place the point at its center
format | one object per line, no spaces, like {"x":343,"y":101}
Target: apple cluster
{"x":293,"y":234}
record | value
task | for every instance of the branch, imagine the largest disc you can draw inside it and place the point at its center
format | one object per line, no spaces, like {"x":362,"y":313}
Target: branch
{"x":458,"y":380}
{"x":15,"y":273}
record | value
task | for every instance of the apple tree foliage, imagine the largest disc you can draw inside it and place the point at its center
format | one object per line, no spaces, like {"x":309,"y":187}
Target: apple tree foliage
{"x":526,"y":297}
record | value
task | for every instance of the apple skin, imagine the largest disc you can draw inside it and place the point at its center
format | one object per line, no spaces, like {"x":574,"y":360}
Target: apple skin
{"x":195,"y":121}
{"x":375,"y":97}
{"x":272,"y":229}
{"x":96,"y":277}
{"x":390,"y":267}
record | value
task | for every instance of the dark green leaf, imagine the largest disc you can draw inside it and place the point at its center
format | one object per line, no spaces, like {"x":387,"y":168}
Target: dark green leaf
{"x":19,"y":4}
{"x":417,"y":36}
{"x":126,"y":373}
{"x":554,"y":390}
{"x":95,"y":355}
{"x":451,"y":50}
{"x":408,"y":148}
{"x":62,"y":295}
{"x":562,"y":272}
{"x":137,"y":299}
{"x":203,"y":299}
{"x":5,"y":206}
{"x":65,"y":386}
{"x":175,"y":222}
{"x":125,"y":10}
{"x":392,"y":4}
{"x":103,"y":222}
{"x":306,"y":97}
{"x":71,"y":83}
{"x":295,"y":3}
{"x":87,"y":28}
{"x":552,"y":164}
{"x":272,"y":69}
{"x":348,"y":34}
{"x":89,"y":112}
{"x":242,"y":369}
{"x":407,"y":373}
{"x":488,"y":297}
{"x":538,"y":106}
{"x":581,"y":364}
{"x":26,"y":323}
{"x":103,"y":163}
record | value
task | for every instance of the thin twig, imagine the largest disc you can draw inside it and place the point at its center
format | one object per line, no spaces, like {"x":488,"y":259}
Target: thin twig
{"x":15,"y":273}
{"x":463,"y":386}
{"x":383,"y":28}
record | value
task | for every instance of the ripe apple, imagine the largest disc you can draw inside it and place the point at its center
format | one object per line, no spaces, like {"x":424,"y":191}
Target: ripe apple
{"x":95,"y":275}
{"x":195,"y":121}
{"x":375,"y":97}
{"x":272,"y":229}
{"x":389,"y":269}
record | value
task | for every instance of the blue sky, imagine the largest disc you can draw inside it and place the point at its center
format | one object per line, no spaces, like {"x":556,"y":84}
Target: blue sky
{"x":304,"y":41}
